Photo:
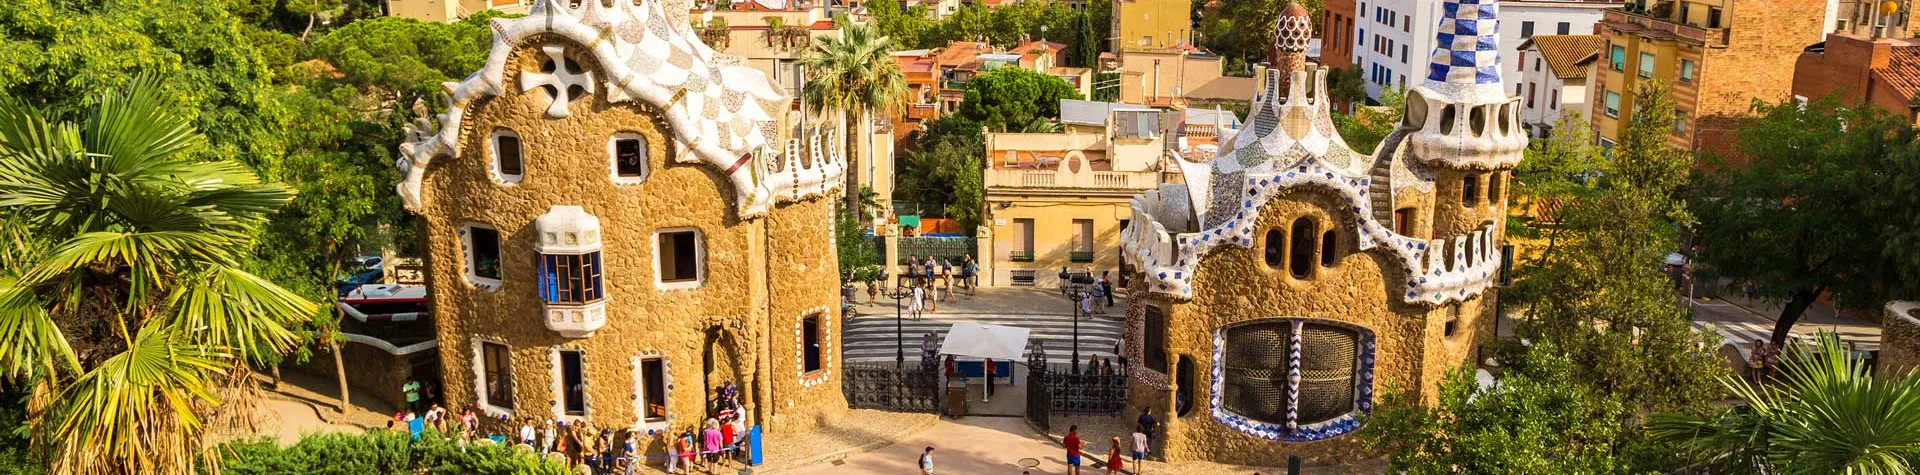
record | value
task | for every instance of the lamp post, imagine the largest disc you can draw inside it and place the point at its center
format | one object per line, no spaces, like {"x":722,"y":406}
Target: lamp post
{"x":1073,"y":290}
{"x":902,"y":288}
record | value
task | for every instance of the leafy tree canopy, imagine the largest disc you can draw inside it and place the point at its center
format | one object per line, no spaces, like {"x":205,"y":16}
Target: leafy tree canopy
{"x":1015,"y":99}
{"x":1816,"y":208}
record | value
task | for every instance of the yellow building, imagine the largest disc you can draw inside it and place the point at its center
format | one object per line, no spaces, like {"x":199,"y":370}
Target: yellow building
{"x":617,"y":222}
{"x":1716,"y":56}
{"x":1057,"y":200}
{"x":451,"y":10}
{"x":1151,"y":23}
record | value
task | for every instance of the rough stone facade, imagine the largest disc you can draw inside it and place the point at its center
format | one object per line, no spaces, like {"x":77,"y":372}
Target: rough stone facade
{"x":762,"y":270}
{"x":1900,"y":338}
{"x":1284,"y":227}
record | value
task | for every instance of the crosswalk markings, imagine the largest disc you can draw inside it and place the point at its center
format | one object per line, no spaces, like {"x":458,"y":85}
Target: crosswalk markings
{"x":871,"y":338}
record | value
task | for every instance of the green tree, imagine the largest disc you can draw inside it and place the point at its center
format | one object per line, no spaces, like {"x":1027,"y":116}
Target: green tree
{"x":124,"y":298}
{"x":855,"y":74}
{"x":1346,"y":85}
{"x":1364,"y":129}
{"x":1598,"y":293}
{"x":943,"y":172}
{"x":1531,"y":422}
{"x":1827,"y":413}
{"x":59,"y":54}
{"x":1608,"y":342}
{"x":1560,"y":168}
{"x":1014,"y":99}
{"x":1773,"y":220}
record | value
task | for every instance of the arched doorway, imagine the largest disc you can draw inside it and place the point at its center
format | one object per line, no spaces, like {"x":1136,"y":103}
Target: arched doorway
{"x":722,"y":362}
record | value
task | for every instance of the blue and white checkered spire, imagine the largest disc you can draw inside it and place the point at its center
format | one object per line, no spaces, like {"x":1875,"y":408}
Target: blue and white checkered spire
{"x":1467,"y":45}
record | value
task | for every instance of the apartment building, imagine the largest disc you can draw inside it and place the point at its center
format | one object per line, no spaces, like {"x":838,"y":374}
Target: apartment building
{"x":1870,"y":57}
{"x":1553,"y":78}
{"x":1387,"y":33}
{"x":1716,"y":56}
{"x":1337,"y":35}
{"x":1059,"y":200}
{"x":1151,"y":24}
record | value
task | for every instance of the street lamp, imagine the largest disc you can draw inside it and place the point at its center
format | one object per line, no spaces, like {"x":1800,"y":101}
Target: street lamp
{"x":902,"y":288}
{"x":1074,"y":290}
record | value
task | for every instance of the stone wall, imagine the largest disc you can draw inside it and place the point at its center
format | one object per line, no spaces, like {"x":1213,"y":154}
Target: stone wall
{"x":803,"y":274}
{"x":1900,"y":338}
{"x":717,"y":331}
{"x":370,"y":371}
{"x":1234,"y":284}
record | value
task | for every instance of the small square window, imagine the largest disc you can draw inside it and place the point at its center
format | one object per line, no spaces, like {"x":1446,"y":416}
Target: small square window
{"x":1453,"y":320}
{"x":678,"y":258}
{"x":1612,"y":105}
{"x":628,"y":154}
{"x":483,"y":255}
{"x":506,"y":150}
{"x":1617,"y":57}
{"x":1646,"y":65}
{"x":1680,"y":122}
{"x":1686,"y":70}
{"x":1526,"y":29}
{"x":1564,"y":28}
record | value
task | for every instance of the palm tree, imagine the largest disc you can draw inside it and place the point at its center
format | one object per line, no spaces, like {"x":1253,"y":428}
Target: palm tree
{"x":1825,"y":413}
{"x":124,"y":307}
{"x":855,"y":74}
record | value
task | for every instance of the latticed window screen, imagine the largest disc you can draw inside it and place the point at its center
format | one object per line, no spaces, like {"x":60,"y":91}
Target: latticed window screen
{"x":570,"y":278}
{"x":1257,"y":364}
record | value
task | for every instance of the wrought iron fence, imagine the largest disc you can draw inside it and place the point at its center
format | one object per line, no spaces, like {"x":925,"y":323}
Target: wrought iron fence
{"x":912,"y":388}
{"x":1056,"y":387}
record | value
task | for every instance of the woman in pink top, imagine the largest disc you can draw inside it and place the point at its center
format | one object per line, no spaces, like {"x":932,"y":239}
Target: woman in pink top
{"x":711,"y":441}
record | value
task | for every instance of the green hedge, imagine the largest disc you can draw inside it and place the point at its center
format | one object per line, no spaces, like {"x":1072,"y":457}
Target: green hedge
{"x":378,"y":452}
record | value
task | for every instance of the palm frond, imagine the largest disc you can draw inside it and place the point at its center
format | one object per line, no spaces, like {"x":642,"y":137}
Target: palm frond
{"x":135,"y":412}
{"x":134,"y":128}
{"x":150,"y":256}
{"x":30,"y":343}
{"x":231,"y":308}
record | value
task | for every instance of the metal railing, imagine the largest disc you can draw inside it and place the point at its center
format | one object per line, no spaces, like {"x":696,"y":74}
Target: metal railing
{"x":1080,"y":256}
{"x":1020,"y":256}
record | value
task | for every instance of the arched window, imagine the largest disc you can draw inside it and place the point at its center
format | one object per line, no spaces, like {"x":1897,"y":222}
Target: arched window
{"x":1300,"y":251}
{"x":1493,"y":187}
{"x":1255,"y":390}
{"x":505,"y":150}
{"x":1470,"y":191}
{"x":1328,"y":245}
{"x":1276,"y":247}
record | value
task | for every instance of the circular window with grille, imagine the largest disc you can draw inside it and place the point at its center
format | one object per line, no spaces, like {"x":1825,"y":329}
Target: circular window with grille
{"x":1292,"y":379}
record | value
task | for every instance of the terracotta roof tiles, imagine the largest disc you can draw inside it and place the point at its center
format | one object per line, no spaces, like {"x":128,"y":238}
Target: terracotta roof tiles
{"x":1902,"y":72}
{"x":1565,"y":52}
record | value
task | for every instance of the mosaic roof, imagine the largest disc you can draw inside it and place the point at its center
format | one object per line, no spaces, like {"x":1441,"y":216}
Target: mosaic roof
{"x":721,"y":111}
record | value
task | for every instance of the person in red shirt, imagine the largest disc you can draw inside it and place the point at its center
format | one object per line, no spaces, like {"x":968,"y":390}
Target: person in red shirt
{"x":726,"y":438}
{"x":1073,"y":449}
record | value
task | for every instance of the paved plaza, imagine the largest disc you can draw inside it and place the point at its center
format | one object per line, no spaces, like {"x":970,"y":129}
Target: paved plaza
{"x":870,"y":335}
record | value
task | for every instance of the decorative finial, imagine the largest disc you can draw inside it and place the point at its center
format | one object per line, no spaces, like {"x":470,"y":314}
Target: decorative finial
{"x":1294,"y":29}
{"x":1467,"y":44}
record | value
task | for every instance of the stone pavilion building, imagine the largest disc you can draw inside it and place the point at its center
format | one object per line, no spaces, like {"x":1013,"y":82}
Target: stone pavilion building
{"x":1291,"y":279}
{"x":619,"y":220}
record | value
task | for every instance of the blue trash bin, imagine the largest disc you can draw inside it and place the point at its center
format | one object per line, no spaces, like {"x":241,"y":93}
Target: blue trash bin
{"x":753,"y":446}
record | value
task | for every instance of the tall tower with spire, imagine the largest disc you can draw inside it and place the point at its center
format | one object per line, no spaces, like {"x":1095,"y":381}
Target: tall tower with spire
{"x":1464,"y":125}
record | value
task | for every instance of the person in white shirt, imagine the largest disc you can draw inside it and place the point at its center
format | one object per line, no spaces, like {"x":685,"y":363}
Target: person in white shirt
{"x":1139,"y":449}
{"x":919,"y":295}
{"x":526,"y":433}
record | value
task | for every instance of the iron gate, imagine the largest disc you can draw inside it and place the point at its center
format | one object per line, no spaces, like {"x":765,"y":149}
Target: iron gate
{"x":911,"y":388}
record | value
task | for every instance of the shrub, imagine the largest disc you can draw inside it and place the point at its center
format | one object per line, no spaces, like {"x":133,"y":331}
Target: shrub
{"x":378,"y":452}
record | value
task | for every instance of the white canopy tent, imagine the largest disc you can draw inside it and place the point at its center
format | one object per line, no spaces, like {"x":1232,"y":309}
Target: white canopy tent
{"x":999,"y":342}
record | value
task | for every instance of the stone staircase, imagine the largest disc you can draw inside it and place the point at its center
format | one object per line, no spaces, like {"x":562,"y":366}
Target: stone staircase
{"x":1380,"y":179}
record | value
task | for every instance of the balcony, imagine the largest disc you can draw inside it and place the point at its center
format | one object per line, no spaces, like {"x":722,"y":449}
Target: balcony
{"x":1080,"y":256}
{"x":1087,"y":180}
{"x":576,"y":321}
{"x":1020,"y":256}
{"x":1658,"y":28}
{"x":923,"y":111}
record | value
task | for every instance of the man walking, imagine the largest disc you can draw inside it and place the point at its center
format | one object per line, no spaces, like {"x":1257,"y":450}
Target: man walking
{"x":412,"y":388}
{"x":1072,"y":441}
{"x":1139,"y":449}
{"x":926,"y":461}
{"x":1106,"y":287}
{"x":988,"y":370}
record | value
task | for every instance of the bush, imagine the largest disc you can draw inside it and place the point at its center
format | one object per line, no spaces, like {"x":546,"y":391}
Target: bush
{"x":378,"y":452}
